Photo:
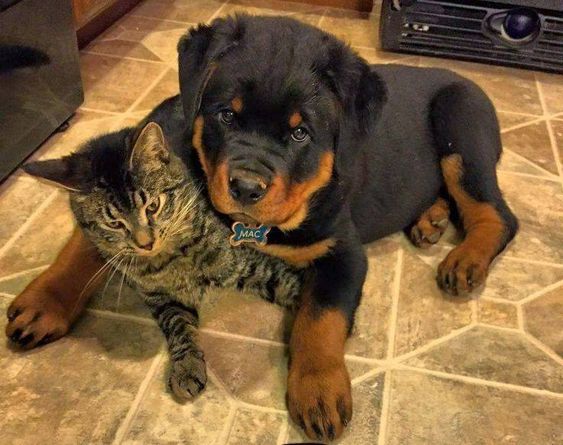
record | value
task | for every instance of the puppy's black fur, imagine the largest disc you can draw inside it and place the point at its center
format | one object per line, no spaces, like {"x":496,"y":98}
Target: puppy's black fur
{"x":382,"y":143}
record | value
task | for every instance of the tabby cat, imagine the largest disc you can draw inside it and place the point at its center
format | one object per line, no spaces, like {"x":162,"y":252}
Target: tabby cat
{"x":144,"y":212}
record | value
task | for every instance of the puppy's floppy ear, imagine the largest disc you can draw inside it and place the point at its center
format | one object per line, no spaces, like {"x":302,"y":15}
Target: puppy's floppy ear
{"x":149,"y":149}
{"x":198,"y":53}
{"x":72,"y":172}
{"x":360,"y":91}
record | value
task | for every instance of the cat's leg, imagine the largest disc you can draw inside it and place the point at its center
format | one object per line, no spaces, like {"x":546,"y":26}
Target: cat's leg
{"x":52,"y":302}
{"x":179,"y":324}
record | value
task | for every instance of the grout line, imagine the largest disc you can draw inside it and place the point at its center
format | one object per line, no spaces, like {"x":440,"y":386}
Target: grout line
{"x":552,"y":140}
{"x":529,"y":175}
{"x":23,"y":272}
{"x":216,"y":13}
{"x":501,"y":328}
{"x":394,"y":305}
{"x":433,"y":343}
{"x":499,"y":300}
{"x":527,"y":161}
{"x":223,"y":438}
{"x":119,"y":316}
{"x":178,"y":22}
{"x":17,"y":234}
{"x":115,"y":56}
{"x":368,"y":375}
{"x":544,"y":348}
{"x":283,"y":435}
{"x":541,"y":292}
{"x":96,"y":110}
{"x":529,"y":261}
{"x":481,"y":382}
{"x":222,"y":388}
{"x":385,"y":408}
{"x":244,"y":338}
{"x":520,"y":318}
{"x":518,"y":113}
{"x":386,"y":398}
{"x":262,"y":409}
{"x":147,"y":91}
{"x":524,"y":124}
{"x":125,"y":426}
{"x":367,"y":361}
{"x":7,"y":296}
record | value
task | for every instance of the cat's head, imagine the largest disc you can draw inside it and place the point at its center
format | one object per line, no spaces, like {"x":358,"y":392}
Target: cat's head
{"x":130,"y":195}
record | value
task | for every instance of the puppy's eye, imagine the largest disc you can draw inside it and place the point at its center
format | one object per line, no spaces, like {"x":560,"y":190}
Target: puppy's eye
{"x":299,"y":134}
{"x":153,"y":206}
{"x":115,"y":224}
{"x":227,"y":116}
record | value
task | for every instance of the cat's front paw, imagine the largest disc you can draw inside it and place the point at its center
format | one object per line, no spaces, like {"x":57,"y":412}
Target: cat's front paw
{"x":188,"y":376}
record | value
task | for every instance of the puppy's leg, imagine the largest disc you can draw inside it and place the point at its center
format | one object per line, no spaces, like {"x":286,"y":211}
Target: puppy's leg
{"x":188,"y":375}
{"x":467,"y":133}
{"x":319,"y":395}
{"x":51,"y":303}
{"x":431,"y":225}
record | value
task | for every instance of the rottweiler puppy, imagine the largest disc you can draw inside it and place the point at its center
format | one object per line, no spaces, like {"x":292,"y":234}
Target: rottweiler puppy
{"x":293,"y":130}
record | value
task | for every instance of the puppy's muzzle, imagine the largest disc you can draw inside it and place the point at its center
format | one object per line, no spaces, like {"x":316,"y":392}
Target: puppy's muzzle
{"x":247,"y":186}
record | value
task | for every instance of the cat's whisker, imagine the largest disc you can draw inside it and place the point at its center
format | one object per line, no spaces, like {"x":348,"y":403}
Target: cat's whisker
{"x":124,"y":274}
{"x":115,"y":267}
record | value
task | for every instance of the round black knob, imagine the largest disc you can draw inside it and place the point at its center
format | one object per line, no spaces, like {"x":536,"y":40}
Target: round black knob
{"x":520,"y":24}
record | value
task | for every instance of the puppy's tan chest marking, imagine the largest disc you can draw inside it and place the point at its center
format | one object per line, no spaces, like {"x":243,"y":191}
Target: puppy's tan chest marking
{"x":298,"y":256}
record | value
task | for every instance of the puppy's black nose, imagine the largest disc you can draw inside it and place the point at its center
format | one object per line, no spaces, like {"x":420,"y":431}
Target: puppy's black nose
{"x":247,"y":188}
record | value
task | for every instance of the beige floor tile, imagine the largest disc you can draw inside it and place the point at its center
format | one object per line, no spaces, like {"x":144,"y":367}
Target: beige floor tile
{"x":187,"y":11}
{"x":16,"y":284}
{"x":355,"y":28}
{"x":41,"y":242}
{"x":539,"y":207}
{"x":364,"y":427}
{"x":77,"y":390}
{"x":497,"y":313}
{"x":306,"y":13}
{"x":511,"y":162}
{"x":494,"y":354}
{"x":113,"y":84}
{"x":255,"y":428}
{"x":557,"y":128}
{"x":122,"y":48}
{"x":424,"y":312}
{"x":510,"y":89}
{"x":134,"y":28}
{"x":84,"y":125}
{"x":165,"y":88}
{"x":162,"y":420}
{"x":543,"y":318}
{"x":375,"y":55}
{"x":164,"y":44}
{"x":243,"y":314}
{"x":532,"y":142}
{"x":430,"y":410}
{"x":369,"y":338}
{"x":514,"y":280}
{"x":18,"y":200}
{"x":552,"y":88}
{"x":255,"y":373}
{"x":507,"y":120}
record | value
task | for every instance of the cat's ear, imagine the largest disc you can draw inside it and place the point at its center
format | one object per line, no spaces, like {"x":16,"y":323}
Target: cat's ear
{"x":71,"y":172}
{"x":150,"y":150}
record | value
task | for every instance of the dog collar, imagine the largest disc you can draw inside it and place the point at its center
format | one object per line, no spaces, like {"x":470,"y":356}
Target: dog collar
{"x":243,"y":233}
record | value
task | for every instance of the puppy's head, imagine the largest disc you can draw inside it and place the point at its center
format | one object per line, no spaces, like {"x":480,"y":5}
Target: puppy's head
{"x":267,"y":101}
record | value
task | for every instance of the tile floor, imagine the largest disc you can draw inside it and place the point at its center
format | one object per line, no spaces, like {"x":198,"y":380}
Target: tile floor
{"x":425,"y":369}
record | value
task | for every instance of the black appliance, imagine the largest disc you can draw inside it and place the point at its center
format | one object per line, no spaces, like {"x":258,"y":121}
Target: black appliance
{"x":523,"y":33}
{"x":40,"y":85}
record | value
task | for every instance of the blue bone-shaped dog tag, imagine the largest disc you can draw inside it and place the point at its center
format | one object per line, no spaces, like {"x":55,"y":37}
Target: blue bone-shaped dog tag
{"x":243,"y":233}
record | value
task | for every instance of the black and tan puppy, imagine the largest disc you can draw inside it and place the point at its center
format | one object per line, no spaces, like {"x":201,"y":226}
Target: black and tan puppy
{"x":295,"y":131}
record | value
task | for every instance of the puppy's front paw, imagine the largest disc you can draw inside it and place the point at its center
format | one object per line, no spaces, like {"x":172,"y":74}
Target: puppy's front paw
{"x":463,"y":270}
{"x":188,"y":376}
{"x":35,"y":318}
{"x":320,"y":401}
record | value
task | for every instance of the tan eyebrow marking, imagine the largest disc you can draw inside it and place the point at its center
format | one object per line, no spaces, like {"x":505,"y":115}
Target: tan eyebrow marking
{"x":295,"y":119}
{"x":236,"y":104}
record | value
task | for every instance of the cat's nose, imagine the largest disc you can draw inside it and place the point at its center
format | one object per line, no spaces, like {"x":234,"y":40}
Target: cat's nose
{"x":144,"y":239}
